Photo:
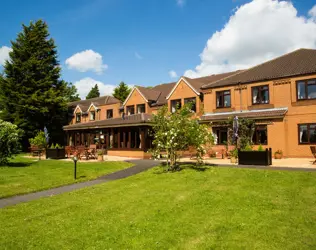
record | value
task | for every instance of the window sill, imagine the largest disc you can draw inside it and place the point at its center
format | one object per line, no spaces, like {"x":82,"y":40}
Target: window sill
{"x":261,"y":106}
{"x":304,"y":102}
{"x":225,"y":109}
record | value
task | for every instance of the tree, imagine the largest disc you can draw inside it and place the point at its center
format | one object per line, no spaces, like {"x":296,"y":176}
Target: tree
{"x":94,"y":92}
{"x":32,"y":96}
{"x":71,"y":94}
{"x":39,"y":140}
{"x":176,"y":132}
{"x":10,"y":136}
{"x":121,"y":91}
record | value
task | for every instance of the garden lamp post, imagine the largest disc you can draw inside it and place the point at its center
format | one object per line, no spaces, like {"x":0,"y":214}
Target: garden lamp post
{"x":75,"y":166}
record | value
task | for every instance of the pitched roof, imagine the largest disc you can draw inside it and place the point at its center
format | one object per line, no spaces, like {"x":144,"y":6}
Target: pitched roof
{"x":149,"y":93}
{"x":197,"y":83}
{"x":164,"y":90}
{"x":298,"y":62}
{"x":98,"y":101}
{"x":254,"y":114}
{"x":129,"y":120}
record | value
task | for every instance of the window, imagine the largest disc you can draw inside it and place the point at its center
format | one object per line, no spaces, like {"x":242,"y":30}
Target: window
{"x":223,"y":99}
{"x":260,"y":135}
{"x":260,"y":94}
{"x":130,"y":110}
{"x":307,"y":133}
{"x":109,"y":114}
{"x":221,"y":135}
{"x":192,"y":101}
{"x":140,"y":108}
{"x":78,"y":118}
{"x":306,"y":90}
{"x":92,"y":115}
{"x":175,"y":104}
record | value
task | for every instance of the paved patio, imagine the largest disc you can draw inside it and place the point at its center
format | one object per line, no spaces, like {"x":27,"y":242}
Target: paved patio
{"x":286,"y":162}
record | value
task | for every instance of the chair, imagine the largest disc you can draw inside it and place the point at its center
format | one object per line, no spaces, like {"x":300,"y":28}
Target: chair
{"x":313,"y":149}
{"x":80,"y":152}
{"x":69,"y":151}
{"x":93,"y":151}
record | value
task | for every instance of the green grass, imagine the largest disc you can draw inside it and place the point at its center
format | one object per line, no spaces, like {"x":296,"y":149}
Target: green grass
{"x":219,"y":208}
{"x":25,"y":175}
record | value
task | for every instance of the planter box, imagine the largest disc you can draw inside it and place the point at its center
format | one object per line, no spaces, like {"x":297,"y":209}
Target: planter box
{"x":263,"y":158}
{"x":55,"y":153}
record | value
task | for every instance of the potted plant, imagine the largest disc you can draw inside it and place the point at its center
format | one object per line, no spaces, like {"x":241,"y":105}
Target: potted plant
{"x":278,"y":154}
{"x":100,"y":155}
{"x":234,"y":155}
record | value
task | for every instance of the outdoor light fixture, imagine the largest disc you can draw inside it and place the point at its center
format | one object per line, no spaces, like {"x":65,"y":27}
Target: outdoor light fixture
{"x":75,"y":169}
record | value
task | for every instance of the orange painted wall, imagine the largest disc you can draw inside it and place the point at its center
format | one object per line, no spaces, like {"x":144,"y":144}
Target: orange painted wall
{"x":282,"y":134}
{"x":135,"y":99}
{"x":183,"y":91}
{"x":104,"y":108}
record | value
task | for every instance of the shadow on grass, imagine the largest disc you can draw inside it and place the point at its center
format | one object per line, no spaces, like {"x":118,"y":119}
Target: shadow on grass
{"x":181,"y":166}
{"x":18,"y":164}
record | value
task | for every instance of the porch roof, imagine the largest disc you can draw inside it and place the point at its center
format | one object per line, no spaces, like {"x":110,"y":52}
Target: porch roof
{"x":253,"y":114}
{"x":129,"y":120}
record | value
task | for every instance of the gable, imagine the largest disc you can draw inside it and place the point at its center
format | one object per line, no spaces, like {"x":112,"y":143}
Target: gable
{"x":135,"y":97}
{"x":181,"y":90}
{"x":77,"y":110}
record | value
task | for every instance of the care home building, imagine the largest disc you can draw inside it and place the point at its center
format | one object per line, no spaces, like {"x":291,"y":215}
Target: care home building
{"x":280,"y":95}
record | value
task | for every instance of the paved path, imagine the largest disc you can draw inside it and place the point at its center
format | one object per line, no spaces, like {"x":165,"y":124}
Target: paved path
{"x":139,"y":166}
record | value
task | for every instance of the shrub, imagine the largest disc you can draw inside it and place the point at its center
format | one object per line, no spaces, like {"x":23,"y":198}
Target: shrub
{"x":260,"y":148}
{"x":39,"y":140}
{"x":100,"y":152}
{"x":247,"y":148}
{"x":234,"y":153}
{"x":10,"y":136}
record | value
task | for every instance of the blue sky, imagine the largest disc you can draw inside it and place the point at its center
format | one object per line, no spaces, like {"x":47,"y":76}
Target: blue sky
{"x":141,"y":41}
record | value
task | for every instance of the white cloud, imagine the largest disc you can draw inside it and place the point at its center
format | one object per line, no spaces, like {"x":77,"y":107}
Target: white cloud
{"x":180,"y":3}
{"x":173,"y":74}
{"x":312,"y":12}
{"x":256,"y":32}
{"x":4,"y":54}
{"x":138,"y":56}
{"x":84,"y":86}
{"x":85,"y":61}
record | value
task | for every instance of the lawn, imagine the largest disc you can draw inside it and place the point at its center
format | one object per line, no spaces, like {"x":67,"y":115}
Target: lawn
{"x":25,"y":175}
{"x":216,"y":208}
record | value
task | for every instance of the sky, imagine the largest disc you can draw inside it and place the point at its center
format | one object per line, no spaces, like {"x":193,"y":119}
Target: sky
{"x":149,"y":42}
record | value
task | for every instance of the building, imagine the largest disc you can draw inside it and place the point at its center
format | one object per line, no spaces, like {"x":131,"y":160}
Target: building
{"x":280,"y":95}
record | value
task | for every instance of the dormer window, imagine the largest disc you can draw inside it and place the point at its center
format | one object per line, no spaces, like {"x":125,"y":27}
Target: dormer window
{"x":130,"y":110}
{"x":92,"y":115}
{"x":140,"y":108}
{"x":109,"y":114}
{"x":78,"y":117}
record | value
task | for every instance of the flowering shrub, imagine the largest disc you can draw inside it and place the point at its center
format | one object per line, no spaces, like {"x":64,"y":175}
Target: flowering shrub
{"x":10,"y":136}
{"x":176,"y":132}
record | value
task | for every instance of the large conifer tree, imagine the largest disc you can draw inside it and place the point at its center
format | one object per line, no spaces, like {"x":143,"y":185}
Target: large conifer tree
{"x":31,"y":93}
{"x":94,"y":92}
{"x":121,"y":92}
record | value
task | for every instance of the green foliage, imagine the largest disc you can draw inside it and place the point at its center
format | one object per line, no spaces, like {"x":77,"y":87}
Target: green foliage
{"x":39,"y":140}
{"x":260,"y":148}
{"x":245,"y":132}
{"x":234,"y":153}
{"x":121,"y":91}
{"x":279,"y":151}
{"x":71,"y":94}
{"x":175,"y":132}
{"x":247,"y":148}
{"x":32,"y":96}
{"x":10,"y":136}
{"x":94,"y":92}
